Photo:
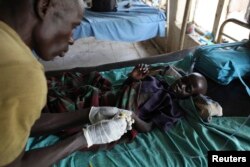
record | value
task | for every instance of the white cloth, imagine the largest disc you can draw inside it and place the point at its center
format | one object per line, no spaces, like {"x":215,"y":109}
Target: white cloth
{"x":247,"y":17}
{"x":105,"y":131}
{"x":97,"y":114}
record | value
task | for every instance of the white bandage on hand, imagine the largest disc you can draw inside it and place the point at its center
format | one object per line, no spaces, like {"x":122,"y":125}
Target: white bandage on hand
{"x":127,"y":115}
{"x":98,"y":114}
{"x":105,"y":131}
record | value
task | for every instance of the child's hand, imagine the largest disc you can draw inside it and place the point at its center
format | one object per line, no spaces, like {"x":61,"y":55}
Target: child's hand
{"x":140,"y":71}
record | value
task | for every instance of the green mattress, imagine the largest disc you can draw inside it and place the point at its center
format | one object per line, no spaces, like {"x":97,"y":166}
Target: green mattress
{"x":186,"y":144}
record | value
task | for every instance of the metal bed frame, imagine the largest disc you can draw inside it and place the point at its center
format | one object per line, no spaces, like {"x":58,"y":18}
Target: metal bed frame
{"x":221,"y":31}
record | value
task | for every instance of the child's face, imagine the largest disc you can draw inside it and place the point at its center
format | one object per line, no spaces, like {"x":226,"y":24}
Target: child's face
{"x":190,"y":85}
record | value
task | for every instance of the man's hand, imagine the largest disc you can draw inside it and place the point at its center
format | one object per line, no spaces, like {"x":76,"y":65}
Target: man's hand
{"x":106,"y":131}
{"x":140,"y":71}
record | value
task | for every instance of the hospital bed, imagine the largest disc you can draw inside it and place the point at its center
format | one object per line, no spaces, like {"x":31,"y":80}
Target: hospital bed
{"x":137,"y":23}
{"x":187,"y":143}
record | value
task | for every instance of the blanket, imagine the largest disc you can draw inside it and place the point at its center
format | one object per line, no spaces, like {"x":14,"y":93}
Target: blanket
{"x":149,"y":98}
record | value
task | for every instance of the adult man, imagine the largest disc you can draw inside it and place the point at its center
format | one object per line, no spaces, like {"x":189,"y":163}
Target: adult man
{"x":44,"y":26}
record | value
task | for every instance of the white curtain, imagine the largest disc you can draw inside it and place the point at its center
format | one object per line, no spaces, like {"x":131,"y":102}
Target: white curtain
{"x":247,"y":15}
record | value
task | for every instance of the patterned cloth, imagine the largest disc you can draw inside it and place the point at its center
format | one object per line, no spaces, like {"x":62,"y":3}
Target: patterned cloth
{"x":148,"y":98}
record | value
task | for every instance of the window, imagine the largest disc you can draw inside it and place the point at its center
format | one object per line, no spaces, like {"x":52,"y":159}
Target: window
{"x":237,"y":10}
{"x":204,"y":14}
{"x":162,"y":4}
{"x":208,"y":15}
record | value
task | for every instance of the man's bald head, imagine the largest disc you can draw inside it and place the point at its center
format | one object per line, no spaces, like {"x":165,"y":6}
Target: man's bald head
{"x":67,"y":5}
{"x":44,"y":25}
{"x":63,"y":6}
{"x":57,"y":19}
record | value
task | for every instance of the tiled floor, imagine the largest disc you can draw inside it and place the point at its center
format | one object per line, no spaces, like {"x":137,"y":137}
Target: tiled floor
{"x":90,"y":52}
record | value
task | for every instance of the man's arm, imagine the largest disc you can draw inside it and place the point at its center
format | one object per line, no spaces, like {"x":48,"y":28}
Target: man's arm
{"x":50,"y":123}
{"x":44,"y":157}
{"x":103,"y":132}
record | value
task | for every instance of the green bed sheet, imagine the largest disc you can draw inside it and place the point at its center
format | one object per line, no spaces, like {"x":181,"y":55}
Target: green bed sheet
{"x":186,"y":144}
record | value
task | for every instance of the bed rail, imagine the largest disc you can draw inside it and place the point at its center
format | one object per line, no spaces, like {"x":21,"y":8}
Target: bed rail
{"x":235,"y":21}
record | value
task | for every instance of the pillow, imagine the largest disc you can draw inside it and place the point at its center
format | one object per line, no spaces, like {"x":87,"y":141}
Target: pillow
{"x":224,"y":62}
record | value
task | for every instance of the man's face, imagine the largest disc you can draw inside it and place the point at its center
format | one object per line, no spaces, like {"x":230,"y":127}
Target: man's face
{"x":54,"y":34}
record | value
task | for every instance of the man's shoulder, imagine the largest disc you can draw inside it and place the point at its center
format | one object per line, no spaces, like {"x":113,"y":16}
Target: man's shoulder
{"x":12,"y":48}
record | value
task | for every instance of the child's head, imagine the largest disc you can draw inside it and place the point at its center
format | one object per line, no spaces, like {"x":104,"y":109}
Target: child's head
{"x":190,"y":85}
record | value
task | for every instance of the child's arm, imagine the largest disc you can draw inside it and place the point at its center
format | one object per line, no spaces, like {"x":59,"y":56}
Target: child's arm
{"x":140,"y":125}
{"x":139,"y":72}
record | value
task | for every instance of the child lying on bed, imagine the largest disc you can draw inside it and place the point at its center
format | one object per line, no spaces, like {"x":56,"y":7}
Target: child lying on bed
{"x":194,"y":81}
{"x":145,"y":92}
{"x":156,"y":101}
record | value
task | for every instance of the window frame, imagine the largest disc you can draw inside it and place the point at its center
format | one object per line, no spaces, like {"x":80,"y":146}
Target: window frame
{"x":220,"y":17}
